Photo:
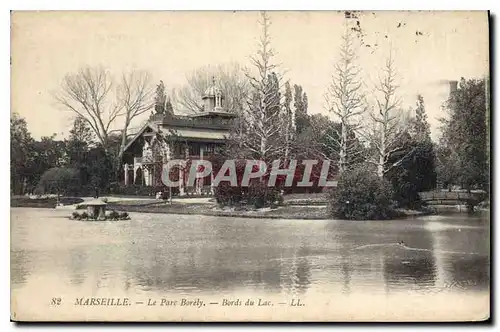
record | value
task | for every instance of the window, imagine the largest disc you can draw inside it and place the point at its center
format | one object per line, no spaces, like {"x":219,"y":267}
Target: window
{"x":210,"y":148}
{"x":194,"y":150}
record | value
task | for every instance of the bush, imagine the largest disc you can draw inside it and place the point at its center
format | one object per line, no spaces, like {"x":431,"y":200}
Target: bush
{"x":361,"y":195}
{"x":84,"y":216}
{"x":260,"y":195}
{"x":226,"y":195}
{"x":124,"y":216}
{"x":59,"y":180}
{"x":257,"y":194}
{"x":113,"y":215}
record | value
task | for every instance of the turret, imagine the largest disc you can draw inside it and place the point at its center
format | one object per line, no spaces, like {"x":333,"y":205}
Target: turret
{"x":213,"y":98}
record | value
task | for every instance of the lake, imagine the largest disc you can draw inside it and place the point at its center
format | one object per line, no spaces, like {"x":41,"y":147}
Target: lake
{"x":328,"y":270}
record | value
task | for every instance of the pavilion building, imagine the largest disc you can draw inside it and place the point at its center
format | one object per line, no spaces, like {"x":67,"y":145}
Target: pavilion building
{"x":168,"y":136}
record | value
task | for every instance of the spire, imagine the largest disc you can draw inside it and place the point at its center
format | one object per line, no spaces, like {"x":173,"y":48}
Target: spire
{"x":213,"y":97}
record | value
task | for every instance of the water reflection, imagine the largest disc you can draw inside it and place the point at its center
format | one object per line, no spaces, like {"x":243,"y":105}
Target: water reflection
{"x":220,"y":263}
{"x":413,"y":264}
{"x":471,"y":272}
{"x":296,"y":270}
{"x":346,"y":270}
{"x":186,"y":254}
{"x":77,"y":266}
{"x":20,"y":267}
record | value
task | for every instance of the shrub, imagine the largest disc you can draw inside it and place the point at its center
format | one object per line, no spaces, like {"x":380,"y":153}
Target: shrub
{"x":257,"y":194}
{"x":84,"y":215}
{"x":124,"y":216}
{"x":361,"y":195}
{"x":76,"y":215}
{"x":260,"y":195}
{"x":59,"y":180}
{"x":226,"y":195}
{"x":113,"y":215}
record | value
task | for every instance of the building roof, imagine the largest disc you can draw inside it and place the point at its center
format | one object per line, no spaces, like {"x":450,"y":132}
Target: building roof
{"x":185,"y":128}
{"x":198,"y":134}
{"x":221,"y":114}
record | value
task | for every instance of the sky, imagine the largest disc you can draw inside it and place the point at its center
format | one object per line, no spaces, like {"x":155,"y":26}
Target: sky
{"x":45,"y":46}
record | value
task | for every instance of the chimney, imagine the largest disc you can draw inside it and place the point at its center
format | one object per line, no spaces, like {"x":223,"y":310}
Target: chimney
{"x":453,"y":86}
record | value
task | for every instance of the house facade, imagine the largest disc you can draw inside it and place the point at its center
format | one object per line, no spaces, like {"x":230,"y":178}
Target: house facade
{"x":167,"y":136}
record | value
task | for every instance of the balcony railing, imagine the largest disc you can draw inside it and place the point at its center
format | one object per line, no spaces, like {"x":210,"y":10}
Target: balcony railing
{"x":149,"y":160}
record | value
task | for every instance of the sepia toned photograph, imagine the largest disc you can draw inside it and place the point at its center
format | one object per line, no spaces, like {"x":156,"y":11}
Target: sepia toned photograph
{"x":250,"y":166}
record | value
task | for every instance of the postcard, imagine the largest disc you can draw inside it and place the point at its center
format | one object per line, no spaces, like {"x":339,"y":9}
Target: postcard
{"x":250,"y":166}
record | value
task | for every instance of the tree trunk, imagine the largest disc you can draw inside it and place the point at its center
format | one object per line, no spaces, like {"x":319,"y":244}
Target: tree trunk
{"x":380,"y":167}
{"x":343,"y":148}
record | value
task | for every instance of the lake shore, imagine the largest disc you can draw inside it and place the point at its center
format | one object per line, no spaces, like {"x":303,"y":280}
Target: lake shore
{"x":185,"y":207}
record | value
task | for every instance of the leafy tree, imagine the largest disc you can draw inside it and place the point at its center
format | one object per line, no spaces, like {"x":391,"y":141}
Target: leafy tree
{"x":415,"y":160}
{"x":465,"y":131}
{"x":415,"y":171}
{"x":160,"y":99}
{"x":420,"y":127}
{"x":96,"y":171}
{"x":300,"y":105}
{"x":21,"y":154}
{"x":80,"y":139}
{"x":82,"y":132}
{"x":447,"y":167}
{"x":169,"y":109}
{"x":47,"y":153}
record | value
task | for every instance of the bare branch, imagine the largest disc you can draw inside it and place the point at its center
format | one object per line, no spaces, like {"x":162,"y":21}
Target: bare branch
{"x":86,"y":94}
{"x":345,"y":98}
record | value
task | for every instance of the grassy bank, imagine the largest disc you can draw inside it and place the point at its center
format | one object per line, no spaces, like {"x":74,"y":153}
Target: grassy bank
{"x":288,"y":211}
{"x":282,"y":212}
{"x":50,"y":202}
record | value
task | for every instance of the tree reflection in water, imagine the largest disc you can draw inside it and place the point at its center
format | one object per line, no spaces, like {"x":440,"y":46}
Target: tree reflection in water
{"x":224,"y":259}
{"x":185,"y":254}
{"x":19,"y":267}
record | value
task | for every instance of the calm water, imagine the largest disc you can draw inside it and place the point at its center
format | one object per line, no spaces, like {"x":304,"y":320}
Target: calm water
{"x":156,"y":255}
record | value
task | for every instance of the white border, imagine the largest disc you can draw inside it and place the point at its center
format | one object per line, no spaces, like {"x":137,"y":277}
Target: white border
{"x":493,"y":5}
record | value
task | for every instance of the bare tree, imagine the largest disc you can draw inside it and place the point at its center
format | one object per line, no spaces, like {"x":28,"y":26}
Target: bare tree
{"x":230,"y":79}
{"x":135,"y":94}
{"x":288,"y":122}
{"x":387,"y":121}
{"x":346,"y":102}
{"x":263,"y":117}
{"x":86,"y":93}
